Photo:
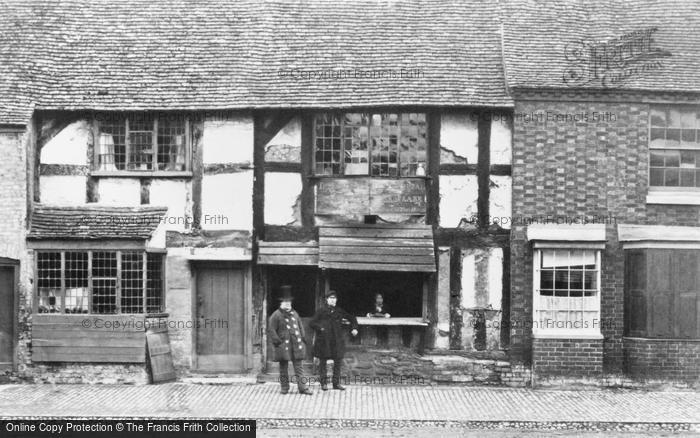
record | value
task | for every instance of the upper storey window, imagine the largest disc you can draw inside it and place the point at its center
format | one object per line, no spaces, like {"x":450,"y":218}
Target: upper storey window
{"x":381,"y":145}
{"x":674,"y":147}
{"x":142,"y":142}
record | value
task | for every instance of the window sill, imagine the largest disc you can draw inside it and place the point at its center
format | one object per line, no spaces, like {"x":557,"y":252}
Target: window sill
{"x":142,"y":173}
{"x":642,"y":338}
{"x":399,"y":321}
{"x":670,"y":198}
{"x":564,"y":334}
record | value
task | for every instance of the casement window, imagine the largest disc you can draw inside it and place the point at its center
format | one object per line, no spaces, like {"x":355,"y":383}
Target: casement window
{"x":100,"y":282}
{"x":142,"y":142}
{"x":674,"y":148}
{"x":378,"y":145}
{"x":566,"y":291}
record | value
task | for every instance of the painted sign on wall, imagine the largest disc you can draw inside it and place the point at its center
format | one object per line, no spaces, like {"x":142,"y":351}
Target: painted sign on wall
{"x":339,"y":196}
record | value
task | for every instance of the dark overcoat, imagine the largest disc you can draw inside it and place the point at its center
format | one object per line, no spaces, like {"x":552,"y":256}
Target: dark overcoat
{"x":330,"y":339}
{"x":286,"y":332}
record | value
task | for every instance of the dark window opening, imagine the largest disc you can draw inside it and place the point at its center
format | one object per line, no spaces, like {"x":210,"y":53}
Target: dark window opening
{"x":402,"y":291}
{"x":303,"y":282}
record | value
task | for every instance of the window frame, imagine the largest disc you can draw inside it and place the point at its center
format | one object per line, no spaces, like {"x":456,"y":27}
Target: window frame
{"x":662,"y":194}
{"x":118,"y":288}
{"x":566,"y":332}
{"x":127,"y":117}
{"x":341,"y":115}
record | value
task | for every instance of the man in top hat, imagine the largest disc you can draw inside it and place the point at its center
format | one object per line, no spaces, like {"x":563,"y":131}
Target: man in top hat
{"x":287,"y":335}
{"x":330,"y":343}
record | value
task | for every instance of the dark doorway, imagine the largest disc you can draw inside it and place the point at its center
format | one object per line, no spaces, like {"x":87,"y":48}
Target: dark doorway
{"x":304,"y":282}
{"x":8,"y":283}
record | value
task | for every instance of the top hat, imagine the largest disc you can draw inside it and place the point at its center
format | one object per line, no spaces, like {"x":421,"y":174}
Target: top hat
{"x":331,"y":293}
{"x":286,"y":293}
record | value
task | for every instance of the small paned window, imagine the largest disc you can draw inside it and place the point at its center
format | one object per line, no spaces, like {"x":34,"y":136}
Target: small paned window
{"x":143,"y":142}
{"x":567,"y":290}
{"x":101,"y":282}
{"x":380,"y":145}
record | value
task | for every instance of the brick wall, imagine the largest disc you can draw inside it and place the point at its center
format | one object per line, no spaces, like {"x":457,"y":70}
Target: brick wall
{"x":594,"y":168}
{"x":569,"y":357}
{"x":661,"y":358}
{"x":15,"y":146}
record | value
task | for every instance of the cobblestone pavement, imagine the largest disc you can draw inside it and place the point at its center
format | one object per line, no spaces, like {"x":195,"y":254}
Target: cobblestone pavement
{"x":365,"y":406}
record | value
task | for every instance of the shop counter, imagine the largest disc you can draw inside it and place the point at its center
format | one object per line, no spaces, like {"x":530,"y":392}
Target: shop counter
{"x":391,"y":333}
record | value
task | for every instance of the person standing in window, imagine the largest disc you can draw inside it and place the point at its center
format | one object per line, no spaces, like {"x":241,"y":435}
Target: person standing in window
{"x":330,"y":343}
{"x":378,"y":309}
{"x":287,"y":335}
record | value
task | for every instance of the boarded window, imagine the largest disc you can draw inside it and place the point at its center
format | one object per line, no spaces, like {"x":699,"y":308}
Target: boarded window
{"x":382,"y":145}
{"x":674,"y":147}
{"x":662,"y":293}
{"x":142,"y":142}
{"x":101,"y":282}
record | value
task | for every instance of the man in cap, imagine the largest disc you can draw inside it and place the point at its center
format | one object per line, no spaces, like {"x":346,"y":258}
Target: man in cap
{"x":330,"y":343}
{"x":287,"y":335}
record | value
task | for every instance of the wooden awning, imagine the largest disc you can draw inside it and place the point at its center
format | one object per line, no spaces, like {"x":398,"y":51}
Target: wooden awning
{"x":288,"y":253}
{"x":377,"y":248}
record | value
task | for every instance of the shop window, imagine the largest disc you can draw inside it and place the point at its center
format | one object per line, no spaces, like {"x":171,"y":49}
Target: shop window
{"x":674,"y":148}
{"x":402,"y":291}
{"x":379,"y":145}
{"x":662,"y":297}
{"x":566,"y":291}
{"x":142,"y":142}
{"x":101,"y":282}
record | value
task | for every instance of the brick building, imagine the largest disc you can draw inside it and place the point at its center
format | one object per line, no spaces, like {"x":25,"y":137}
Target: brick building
{"x":177,"y":165}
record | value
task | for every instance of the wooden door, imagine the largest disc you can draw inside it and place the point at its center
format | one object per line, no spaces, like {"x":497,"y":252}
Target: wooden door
{"x":7,"y":316}
{"x":220,"y":312}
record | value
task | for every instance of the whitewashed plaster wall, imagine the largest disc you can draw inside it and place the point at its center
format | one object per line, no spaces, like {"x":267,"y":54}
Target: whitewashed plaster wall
{"x":125,"y":192}
{"x":227,"y":198}
{"x":501,"y":139}
{"x":66,"y":190}
{"x":227,"y":201}
{"x":482,"y":278}
{"x":228,"y":141}
{"x":459,"y":135}
{"x":500,"y":200}
{"x":482,"y":291}
{"x":458,"y":196}
{"x":282,"y":195}
{"x":68,"y":146}
{"x":177,"y":196}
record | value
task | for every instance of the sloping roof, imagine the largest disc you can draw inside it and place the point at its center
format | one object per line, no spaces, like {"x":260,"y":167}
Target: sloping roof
{"x":216,"y":54}
{"x":540,"y":34}
{"x":212,"y":54}
{"x":94,"y":223}
{"x":377,"y":248}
